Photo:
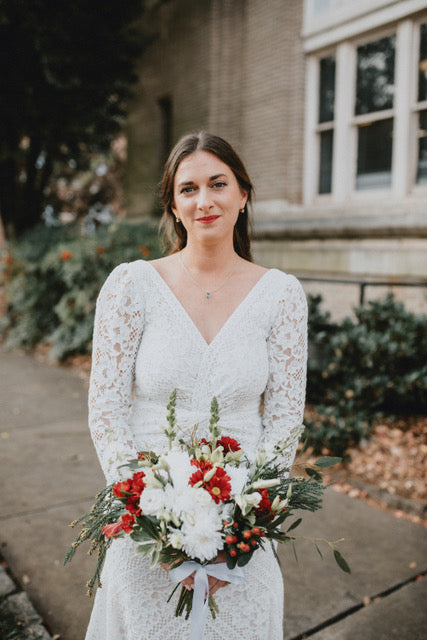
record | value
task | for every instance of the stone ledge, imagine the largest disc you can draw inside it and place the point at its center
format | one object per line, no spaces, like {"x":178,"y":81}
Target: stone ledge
{"x":342,"y":227}
{"x":31,"y":627}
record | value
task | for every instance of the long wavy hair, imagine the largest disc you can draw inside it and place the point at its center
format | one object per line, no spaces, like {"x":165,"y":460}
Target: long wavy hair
{"x":174,"y":232}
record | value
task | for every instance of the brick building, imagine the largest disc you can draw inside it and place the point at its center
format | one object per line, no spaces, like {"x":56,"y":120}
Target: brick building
{"x":326,"y":100}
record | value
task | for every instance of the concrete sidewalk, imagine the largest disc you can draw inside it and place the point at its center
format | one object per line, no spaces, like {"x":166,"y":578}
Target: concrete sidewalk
{"x":49,"y":474}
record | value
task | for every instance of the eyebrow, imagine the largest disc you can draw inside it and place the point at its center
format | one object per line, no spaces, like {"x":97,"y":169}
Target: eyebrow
{"x":190,"y":182}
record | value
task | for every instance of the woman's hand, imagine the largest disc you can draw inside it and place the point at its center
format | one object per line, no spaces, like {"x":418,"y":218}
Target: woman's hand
{"x":214,"y":583}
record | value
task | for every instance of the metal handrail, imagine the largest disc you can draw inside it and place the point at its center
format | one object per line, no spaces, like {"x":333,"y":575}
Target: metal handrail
{"x":364,"y":283}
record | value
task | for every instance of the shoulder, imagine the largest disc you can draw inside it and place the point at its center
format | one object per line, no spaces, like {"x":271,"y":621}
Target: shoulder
{"x":284,"y":283}
{"x":127,"y":273}
{"x":125,"y":280}
{"x":286,"y":292}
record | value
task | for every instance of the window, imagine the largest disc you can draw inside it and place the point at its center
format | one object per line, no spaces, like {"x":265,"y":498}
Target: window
{"x":366,"y":116}
{"x":421,"y":107}
{"x":326,"y":122}
{"x":373,"y":110}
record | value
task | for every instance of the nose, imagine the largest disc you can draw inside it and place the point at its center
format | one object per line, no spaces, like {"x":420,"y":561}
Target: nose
{"x":204,"y":200}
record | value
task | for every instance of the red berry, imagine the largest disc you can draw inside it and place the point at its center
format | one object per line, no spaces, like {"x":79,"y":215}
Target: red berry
{"x":256,"y":531}
{"x":233,"y":553}
{"x":235,"y":525}
{"x":253,"y":542}
{"x":229,"y":539}
{"x":247,"y":534}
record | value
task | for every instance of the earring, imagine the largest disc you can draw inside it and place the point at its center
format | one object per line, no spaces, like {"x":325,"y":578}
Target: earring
{"x":178,"y":219}
{"x":242,"y":210}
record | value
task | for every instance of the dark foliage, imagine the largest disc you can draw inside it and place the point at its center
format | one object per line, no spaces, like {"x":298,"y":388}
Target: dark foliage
{"x":65,"y":73}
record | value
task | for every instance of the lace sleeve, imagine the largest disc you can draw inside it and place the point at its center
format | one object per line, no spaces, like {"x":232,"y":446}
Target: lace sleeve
{"x":116,"y":338}
{"x":284,"y":395}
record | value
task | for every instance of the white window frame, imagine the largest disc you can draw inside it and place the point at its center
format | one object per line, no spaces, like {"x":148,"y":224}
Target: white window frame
{"x":404,"y":113}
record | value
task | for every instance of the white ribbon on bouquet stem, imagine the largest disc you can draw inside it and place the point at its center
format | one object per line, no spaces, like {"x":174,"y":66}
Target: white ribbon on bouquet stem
{"x":200,"y":605}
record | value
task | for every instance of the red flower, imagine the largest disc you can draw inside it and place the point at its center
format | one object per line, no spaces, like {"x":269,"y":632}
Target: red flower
{"x":66,"y":255}
{"x":196,"y":477}
{"x":204,"y":465}
{"x":219,"y":486}
{"x":127,"y":522}
{"x":120,"y":489}
{"x":264,"y":507}
{"x":111,"y":530}
{"x":138,"y":484}
{"x":132,"y":505}
{"x":228,"y":444}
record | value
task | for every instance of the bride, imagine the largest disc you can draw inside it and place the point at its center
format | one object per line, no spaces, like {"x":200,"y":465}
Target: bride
{"x":206,"y":321}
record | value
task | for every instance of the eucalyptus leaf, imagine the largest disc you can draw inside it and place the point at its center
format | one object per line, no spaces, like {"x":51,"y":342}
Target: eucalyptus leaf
{"x":341,"y":562}
{"x":313,"y":474}
{"x":294,"y":525}
{"x":327,"y":461}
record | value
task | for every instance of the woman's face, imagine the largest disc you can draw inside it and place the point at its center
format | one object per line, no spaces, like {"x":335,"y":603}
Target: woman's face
{"x":207,"y":197}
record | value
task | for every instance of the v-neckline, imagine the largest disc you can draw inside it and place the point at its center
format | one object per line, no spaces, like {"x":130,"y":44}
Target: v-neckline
{"x":190,"y":319}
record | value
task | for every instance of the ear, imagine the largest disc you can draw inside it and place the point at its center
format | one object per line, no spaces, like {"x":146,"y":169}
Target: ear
{"x":244,"y":199}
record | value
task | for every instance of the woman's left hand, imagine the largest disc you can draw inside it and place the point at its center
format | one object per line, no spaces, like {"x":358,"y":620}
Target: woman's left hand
{"x":214,"y":583}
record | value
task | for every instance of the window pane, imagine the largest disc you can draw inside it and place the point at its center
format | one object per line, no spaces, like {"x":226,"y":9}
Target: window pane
{"x":422,"y":69}
{"x":422,"y":149}
{"x":325,"y":171}
{"x":374,"y":155}
{"x":375,"y":76}
{"x":327,"y":89}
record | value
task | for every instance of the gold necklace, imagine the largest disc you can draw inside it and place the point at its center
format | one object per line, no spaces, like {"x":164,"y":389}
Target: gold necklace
{"x":208,"y":294}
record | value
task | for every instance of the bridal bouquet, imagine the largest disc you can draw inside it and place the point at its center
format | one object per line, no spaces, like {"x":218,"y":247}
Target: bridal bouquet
{"x":185,"y":505}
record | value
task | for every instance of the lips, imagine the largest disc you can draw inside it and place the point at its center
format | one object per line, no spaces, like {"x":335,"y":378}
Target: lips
{"x":207,"y":219}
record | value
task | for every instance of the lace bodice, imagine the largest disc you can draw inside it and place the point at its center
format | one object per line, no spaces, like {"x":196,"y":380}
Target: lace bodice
{"x":145,"y":345}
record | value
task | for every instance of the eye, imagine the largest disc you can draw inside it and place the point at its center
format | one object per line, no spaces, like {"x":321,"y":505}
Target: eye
{"x":187,"y":189}
{"x":219,"y":184}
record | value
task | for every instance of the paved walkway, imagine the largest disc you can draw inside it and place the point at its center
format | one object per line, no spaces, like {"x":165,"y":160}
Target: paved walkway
{"x":49,"y":474}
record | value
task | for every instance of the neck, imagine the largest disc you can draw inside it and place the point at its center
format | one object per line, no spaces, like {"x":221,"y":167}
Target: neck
{"x":209,"y":259}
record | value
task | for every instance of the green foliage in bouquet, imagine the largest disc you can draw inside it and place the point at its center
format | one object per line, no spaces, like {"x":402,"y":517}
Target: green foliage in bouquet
{"x":244,"y":518}
{"x":369,"y":365}
{"x":53,"y":275}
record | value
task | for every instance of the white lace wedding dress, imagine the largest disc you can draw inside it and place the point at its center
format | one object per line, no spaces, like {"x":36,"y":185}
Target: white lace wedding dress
{"x":146,"y":345}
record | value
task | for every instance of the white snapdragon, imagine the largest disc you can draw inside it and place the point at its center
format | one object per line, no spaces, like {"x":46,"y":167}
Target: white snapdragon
{"x":265,"y":484}
{"x":247,"y":501}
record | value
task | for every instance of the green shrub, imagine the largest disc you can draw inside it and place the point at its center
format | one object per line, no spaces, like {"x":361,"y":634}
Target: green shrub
{"x":53,"y":276}
{"x":372,"y":364}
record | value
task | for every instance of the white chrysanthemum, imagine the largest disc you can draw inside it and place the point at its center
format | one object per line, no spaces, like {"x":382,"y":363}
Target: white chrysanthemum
{"x":180,"y":468}
{"x":152,"y":500}
{"x":201,"y":538}
{"x":187,"y":500}
{"x":238,"y":477}
{"x":175,"y":539}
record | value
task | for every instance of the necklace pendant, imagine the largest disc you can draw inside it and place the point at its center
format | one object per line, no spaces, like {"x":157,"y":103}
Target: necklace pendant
{"x":208,"y":295}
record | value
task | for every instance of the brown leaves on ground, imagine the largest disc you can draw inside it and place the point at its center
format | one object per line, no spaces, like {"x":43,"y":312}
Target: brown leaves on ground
{"x":394,"y":458}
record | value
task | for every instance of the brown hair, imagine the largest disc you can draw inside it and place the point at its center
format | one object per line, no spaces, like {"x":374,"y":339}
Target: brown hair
{"x":175,"y":233}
